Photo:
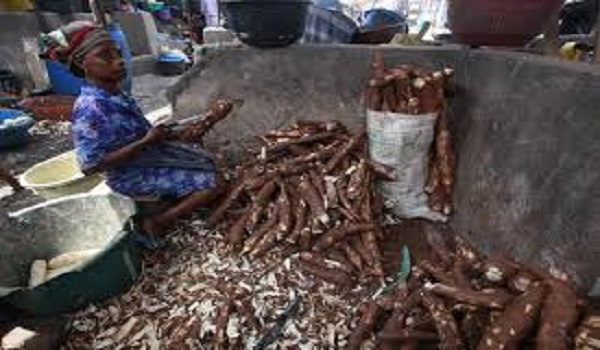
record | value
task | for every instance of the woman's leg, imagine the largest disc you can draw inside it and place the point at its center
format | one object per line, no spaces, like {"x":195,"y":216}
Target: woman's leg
{"x":183,"y":208}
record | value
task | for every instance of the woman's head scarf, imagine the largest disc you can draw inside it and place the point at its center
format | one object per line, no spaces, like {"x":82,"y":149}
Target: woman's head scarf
{"x":72,"y":42}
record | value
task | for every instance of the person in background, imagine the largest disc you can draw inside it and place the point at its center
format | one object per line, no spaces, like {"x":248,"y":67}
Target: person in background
{"x":210,"y":10}
{"x":112,"y":136}
{"x":326,"y":23}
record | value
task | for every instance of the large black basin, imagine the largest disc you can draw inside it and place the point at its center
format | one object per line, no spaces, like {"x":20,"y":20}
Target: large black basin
{"x":266,"y":23}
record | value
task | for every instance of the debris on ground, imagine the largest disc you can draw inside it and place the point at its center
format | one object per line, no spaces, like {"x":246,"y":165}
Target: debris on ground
{"x":17,"y":338}
{"x":588,"y":334}
{"x":48,"y":127}
{"x":57,"y":108}
{"x":194,"y":296}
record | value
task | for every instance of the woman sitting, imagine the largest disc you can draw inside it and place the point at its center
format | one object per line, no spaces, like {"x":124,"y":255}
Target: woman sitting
{"x":112,"y":136}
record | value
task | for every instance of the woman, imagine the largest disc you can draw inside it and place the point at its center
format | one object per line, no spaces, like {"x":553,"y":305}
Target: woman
{"x":112,"y":136}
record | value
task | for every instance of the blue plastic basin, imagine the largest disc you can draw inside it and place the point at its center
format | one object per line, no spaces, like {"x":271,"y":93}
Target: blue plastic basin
{"x":17,"y":135}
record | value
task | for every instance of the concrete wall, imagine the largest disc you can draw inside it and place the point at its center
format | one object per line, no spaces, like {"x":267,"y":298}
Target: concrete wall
{"x":140,"y":31}
{"x":526,"y":130}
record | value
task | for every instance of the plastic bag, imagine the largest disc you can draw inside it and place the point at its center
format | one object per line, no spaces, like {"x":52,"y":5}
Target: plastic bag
{"x":403,"y":141}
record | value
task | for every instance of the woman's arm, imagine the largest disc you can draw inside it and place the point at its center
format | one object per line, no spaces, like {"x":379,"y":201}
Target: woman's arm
{"x":125,"y":153}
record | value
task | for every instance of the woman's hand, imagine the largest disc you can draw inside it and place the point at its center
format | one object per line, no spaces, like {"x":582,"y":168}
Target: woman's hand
{"x":157,"y":134}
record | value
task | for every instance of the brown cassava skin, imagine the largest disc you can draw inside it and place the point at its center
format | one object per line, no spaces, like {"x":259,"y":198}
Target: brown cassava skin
{"x":516,"y":322}
{"x":260,"y":203}
{"x":317,"y":180}
{"x":270,"y":238}
{"x":390,"y":98}
{"x":299,"y":150}
{"x":365,"y":255}
{"x":323,"y":262}
{"x":397,"y":320}
{"x":460,"y":273}
{"x":473,"y":325}
{"x":264,"y":228}
{"x":588,"y":333}
{"x":378,"y":64}
{"x":382,"y":171}
{"x":391,"y":301}
{"x":221,"y":323}
{"x":492,"y":299}
{"x":356,"y":140}
{"x":312,"y":198}
{"x":300,"y":222}
{"x":433,"y":174}
{"x":267,"y":241}
{"x":437,"y":199}
{"x":445,"y":156}
{"x":411,"y":334}
{"x":464,"y":249}
{"x":306,"y":238}
{"x":436,"y":272}
{"x":443,"y":256}
{"x":449,"y":82}
{"x":499,"y":269}
{"x":559,"y":317}
{"x":232,"y":196}
{"x":305,"y":140}
{"x":343,"y":197}
{"x":374,"y":98}
{"x":370,"y":241}
{"x":370,"y":314}
{"x":445,"y":159}
{"x":180,"y":330}
{"x":340,"y":257}
{"x":429,"y":98}
{"x":332,"y":236}
{"x":522,"y":281}
{"x":331,"y":193}
{"x":333,"y":276}
{"x":354,"y":257}
{"x":285,"y":211}
{"x":274,"y":135}
{"x":357,"y":179}
{"x":237,"y":233}
{"x":450,"y":338}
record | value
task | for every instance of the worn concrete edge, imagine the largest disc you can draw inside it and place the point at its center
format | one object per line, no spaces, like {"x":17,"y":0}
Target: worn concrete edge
{"x":212,"y":53}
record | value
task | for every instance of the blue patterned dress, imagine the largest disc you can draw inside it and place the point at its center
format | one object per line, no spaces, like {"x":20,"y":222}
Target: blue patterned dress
{"x":103,"y":122}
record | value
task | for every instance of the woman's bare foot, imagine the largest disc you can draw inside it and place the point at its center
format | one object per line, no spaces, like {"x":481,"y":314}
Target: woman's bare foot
{"x":151,"y":227}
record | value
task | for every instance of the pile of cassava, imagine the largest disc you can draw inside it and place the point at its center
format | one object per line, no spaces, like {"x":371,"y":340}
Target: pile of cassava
{"x":461,"y":299}
{"x":310,"y":189}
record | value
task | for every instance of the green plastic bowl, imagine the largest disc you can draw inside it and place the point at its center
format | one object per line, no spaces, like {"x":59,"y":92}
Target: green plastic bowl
{"x":65,"y":225}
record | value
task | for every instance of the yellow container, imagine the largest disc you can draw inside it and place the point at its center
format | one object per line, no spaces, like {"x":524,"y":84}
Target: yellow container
{"x":15,"y":5}
{"x":58,"y":177}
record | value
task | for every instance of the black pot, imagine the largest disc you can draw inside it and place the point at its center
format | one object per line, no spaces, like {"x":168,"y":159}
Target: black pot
{"x":266,"y":23}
